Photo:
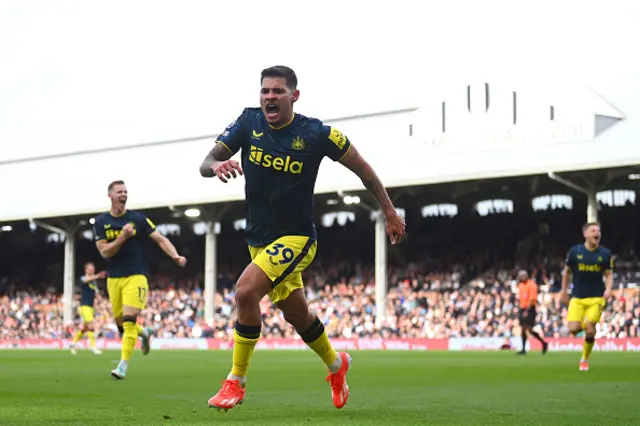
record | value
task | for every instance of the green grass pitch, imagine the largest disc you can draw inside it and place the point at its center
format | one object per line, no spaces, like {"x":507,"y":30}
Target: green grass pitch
{"x":288,"y":388}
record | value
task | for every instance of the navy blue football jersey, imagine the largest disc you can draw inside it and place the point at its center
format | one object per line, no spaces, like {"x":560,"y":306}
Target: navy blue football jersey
{"x":280,"y":168}
{"x":131,"y":259}
{"x":89,"y":290}
{"x":588,"y":267}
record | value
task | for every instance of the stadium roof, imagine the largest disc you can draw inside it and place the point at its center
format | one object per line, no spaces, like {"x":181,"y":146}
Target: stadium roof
{"x":521,"y":190}
{"x":475,"y":145}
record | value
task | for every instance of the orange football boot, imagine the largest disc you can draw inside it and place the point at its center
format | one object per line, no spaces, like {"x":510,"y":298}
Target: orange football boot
{"x":231,"y":394}
{"x":338,"y":380}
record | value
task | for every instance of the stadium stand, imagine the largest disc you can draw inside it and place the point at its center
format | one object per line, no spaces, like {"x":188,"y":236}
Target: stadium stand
{"x":453,"y":277}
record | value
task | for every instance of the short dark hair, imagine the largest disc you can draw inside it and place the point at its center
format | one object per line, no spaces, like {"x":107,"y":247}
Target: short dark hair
{"x":589,"y":224}
{"x":89,"y":263}
{"x":281,"y":71}
{"x":114,"y":183}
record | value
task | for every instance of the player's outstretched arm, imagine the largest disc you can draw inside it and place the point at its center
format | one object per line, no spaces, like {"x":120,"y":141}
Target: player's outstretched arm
{"x":218,"y":163}
{"x":167,"y":246}
{"x":358,"y":165}
{"x":89,"y":278}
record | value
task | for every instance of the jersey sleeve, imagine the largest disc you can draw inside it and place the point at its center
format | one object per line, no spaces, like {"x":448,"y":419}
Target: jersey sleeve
{"x":334,"y":143}
{"x":98,"y":230}
{"x":233,"y":137}
{"x":145,"y":224}
{"x":609,"y":262}
{"x":570,"y":260}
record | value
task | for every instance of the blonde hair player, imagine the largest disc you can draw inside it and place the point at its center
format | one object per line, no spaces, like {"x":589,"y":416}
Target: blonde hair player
{"x":591,"y":267}
{"x":119,"y":235}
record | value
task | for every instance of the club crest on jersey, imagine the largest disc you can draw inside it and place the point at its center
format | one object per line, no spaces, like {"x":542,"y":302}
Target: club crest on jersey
{"x":298,"y":144}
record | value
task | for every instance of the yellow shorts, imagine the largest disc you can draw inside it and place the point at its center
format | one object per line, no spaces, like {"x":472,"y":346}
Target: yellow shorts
{"x":283,"y":261}
{"x":590,"y":308}
{"x":86,"y":312}
{"x":127,"y":291}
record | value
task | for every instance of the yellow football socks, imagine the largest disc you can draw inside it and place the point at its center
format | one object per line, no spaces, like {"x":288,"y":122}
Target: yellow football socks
{"x":324,"y":349}
{"x":128,"y":339}
{"x":588,"y":347}
{"x":317,"y":339}
{"x":78,"y":336}
{"x":245,"y":338}
{"x":90,"y":334}
{"x":92,"y":338}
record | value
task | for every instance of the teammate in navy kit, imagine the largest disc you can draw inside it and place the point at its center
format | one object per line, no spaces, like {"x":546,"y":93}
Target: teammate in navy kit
{"x":280,"y":154}
{"x":591,"y":266}
{"x":89,"y":291}
{"x":120,"y":237}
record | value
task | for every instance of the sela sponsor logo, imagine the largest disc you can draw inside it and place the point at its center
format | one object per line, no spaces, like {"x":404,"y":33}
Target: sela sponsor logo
{"x":113,"y":234}
{"x":269,"y":161}
{"x":584,"y":267}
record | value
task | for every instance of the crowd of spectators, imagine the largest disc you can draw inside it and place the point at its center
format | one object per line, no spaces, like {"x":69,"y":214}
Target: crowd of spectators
{"x":450,"y":277}
{"x":433,"y":305}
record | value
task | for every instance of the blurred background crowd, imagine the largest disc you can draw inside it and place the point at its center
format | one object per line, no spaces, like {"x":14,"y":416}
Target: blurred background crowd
{"x":452,"y":278}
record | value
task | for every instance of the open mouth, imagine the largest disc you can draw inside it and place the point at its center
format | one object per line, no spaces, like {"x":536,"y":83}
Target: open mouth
{"x":271,"y":111}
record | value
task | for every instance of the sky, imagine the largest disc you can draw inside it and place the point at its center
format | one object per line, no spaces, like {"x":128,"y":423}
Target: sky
{"x":77,"y":75}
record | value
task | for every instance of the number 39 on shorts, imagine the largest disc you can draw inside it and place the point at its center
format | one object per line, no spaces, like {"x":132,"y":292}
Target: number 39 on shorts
{"x":279,"y":254}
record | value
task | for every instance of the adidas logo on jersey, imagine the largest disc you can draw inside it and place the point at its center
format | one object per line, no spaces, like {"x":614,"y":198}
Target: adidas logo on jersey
{"x":283,"y":164}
